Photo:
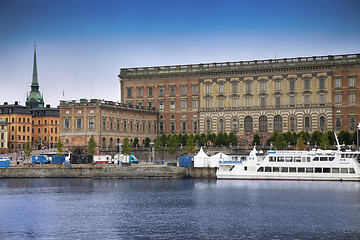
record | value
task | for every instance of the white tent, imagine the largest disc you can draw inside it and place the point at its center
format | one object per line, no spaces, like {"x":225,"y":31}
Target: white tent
{"x":214,"y":160}
{"x":201,"y":159}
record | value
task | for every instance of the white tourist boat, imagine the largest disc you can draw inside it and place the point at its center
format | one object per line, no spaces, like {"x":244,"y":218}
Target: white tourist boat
{"x":293,"y":165}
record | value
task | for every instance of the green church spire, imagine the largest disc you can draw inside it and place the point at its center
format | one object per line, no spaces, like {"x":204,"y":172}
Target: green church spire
{"x":35,"y":99}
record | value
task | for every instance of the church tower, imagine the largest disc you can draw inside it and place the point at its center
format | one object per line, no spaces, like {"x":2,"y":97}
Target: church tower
{"x":35,"y":99}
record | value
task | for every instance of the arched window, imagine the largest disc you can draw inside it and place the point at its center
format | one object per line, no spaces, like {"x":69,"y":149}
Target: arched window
{"x":104,"y":142}
{"x":278,"y":123}
{"x":248,"y":124}
{"x":263,"y":124}
{"x":292,"y":124}
{"x":208,"y":125}
{"x":322,"y":123}
{"x":111,"y":142}
{"x":235,"y":124}
{"x":221,"y":125}
{"x":307,"y":123}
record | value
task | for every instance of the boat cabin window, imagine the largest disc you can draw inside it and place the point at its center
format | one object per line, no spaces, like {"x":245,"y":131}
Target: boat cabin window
{"x":284,"y":169}
{"x":301,"y":169}
{"x":297,"y":159}
{"x":292,"y":169}
{"x":351,"y":170}
{"x":343,"y":170}
{"x":303,"y":159}
{"x":272,"y":159}
{"x":342,"y":155}
{"x":331,"y":158}
{"x":335,"y":170}
{"x":243,"y":158}
{"x":245,"y":168}
{"x":276,"y":169}
{"x":260,"y":169}
{"x":326,"y":170}
{"x":280,"y":159}
{"x":288,"y":159}
{"x":267,"y":169}
{"x":308,"y":159}
{"x":318,"y":170}
{"x":316,"y":159}
{"x":309,"y":170}
{"x":323,"y":158}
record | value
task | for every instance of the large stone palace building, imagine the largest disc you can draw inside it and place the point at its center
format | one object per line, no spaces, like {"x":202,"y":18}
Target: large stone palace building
{"x":247,"y":97}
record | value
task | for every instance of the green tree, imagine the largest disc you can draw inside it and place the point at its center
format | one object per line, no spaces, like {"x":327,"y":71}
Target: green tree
{"x":173,"y":144}
{"x":220,"y":139}
{"x":183,"y":139}
{"x":280,"y":142}
{"x":232,"y":139}
{"x":136,"y":142}
{"x":289,"y":137}
{"x":300,"y":145}
{"x":160,"y":142}
{"x":226,"y":139}
{"x":256,"y":140}
{"x":147,"y":142}
{"x":305,"y":136}
{"x":126,"y":149}
{"x":27,"y":150}
{"x":272,"y":138}
{"x":92,"y":145}
{"x":315,"y":137}
{"x":198,"y":140}
{"x":325,"y":144}
{"x":331,"y":137}
{"x":345,"y":137}
{"x":190,"y":145}
{"x":59,"y":147}
{"x":354,"y":137}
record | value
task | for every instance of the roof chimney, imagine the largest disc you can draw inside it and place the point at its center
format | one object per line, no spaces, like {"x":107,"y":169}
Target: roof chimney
{"x":5,"y":103}
{"x":16,"y":103}
{"x":47,"y":105}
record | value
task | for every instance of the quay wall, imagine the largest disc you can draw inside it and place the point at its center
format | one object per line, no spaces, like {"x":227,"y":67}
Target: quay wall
{"x":107,"y":172}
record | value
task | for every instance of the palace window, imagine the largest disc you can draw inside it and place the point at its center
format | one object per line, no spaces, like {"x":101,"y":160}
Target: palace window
{"x":277,"y":101}
{"x":172,"y":105}
{"x":208,"y":89}
{"x":248,"y":124}
{"x":248,"y":102}
{"x":322,"y":99}
{"x":195,"y":89}
{"x":263,"y":101}
{"x":195,"y":126}
{"x":277,"y":85}
{"x":91,"y":123}
{"x":78,"y":123}
{"x":172,"y":90}
{"x":221,"y":103}
{"x":66,"y":123}
{"x":183,"y":126}
{"x":221,"y":125}
{"x":307,"y":123}
{"x":140,"y":91}
{"x":221,"y":88}
{"x":161,"y":105}
{"x":172,"y":126}
{"x":263,"y":86}
{"x":352,"y":98}
{"x":129,"y":92}
{"x":292,"y":100}
{"x":338,"y":82}
{"x":278,"y":123}
{"x":292,"y":85}
{"x":322,"y":123}
{"x":322,"y":83}
{"x":352,"y":123}
{"x":183,"y":89}
{"x":235,"y":124}
{"x":234,"y":87}
{"x":208,"y":125}
{"x":208,"y":103}
{"x":161,"y":90}
{"x":248,"y":87}
{"x":151,"y":91}
{"x":195,"y":104}
{"x":183,"y":104}
{"x":263,"y":124}
{"x":351,"y":81}
{"x":306,"y":84}
{"x":292,"y":124}
{"x":234,"y":102}
{"x":338,"y":98}
{"x":307,"y":99}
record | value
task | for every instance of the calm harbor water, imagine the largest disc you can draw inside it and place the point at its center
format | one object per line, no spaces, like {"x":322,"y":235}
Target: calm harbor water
{"x":178,"y":209}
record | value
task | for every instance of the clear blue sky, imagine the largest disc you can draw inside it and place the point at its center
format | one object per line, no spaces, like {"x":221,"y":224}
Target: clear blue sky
{"x":82,"y":44}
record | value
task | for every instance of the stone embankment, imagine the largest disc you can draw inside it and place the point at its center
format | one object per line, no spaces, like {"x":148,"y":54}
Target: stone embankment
{"x":93,"y":171}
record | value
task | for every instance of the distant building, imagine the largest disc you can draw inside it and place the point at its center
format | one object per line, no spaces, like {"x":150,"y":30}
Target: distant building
{"x":19,"y":129}
{"x":3,"y":136}
{"x":34,"y":98}
{"x":109,"y":122}
{"x":45,"y":126}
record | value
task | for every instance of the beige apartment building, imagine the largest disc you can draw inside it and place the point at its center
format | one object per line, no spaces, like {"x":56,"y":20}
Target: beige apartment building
{"x":109,"y":122}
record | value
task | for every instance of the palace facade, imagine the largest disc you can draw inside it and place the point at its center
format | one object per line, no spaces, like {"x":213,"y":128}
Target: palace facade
{"x":247,"y":97}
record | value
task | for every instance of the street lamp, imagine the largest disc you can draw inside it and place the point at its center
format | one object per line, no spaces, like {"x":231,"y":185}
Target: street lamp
{"x":358,"y":137}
